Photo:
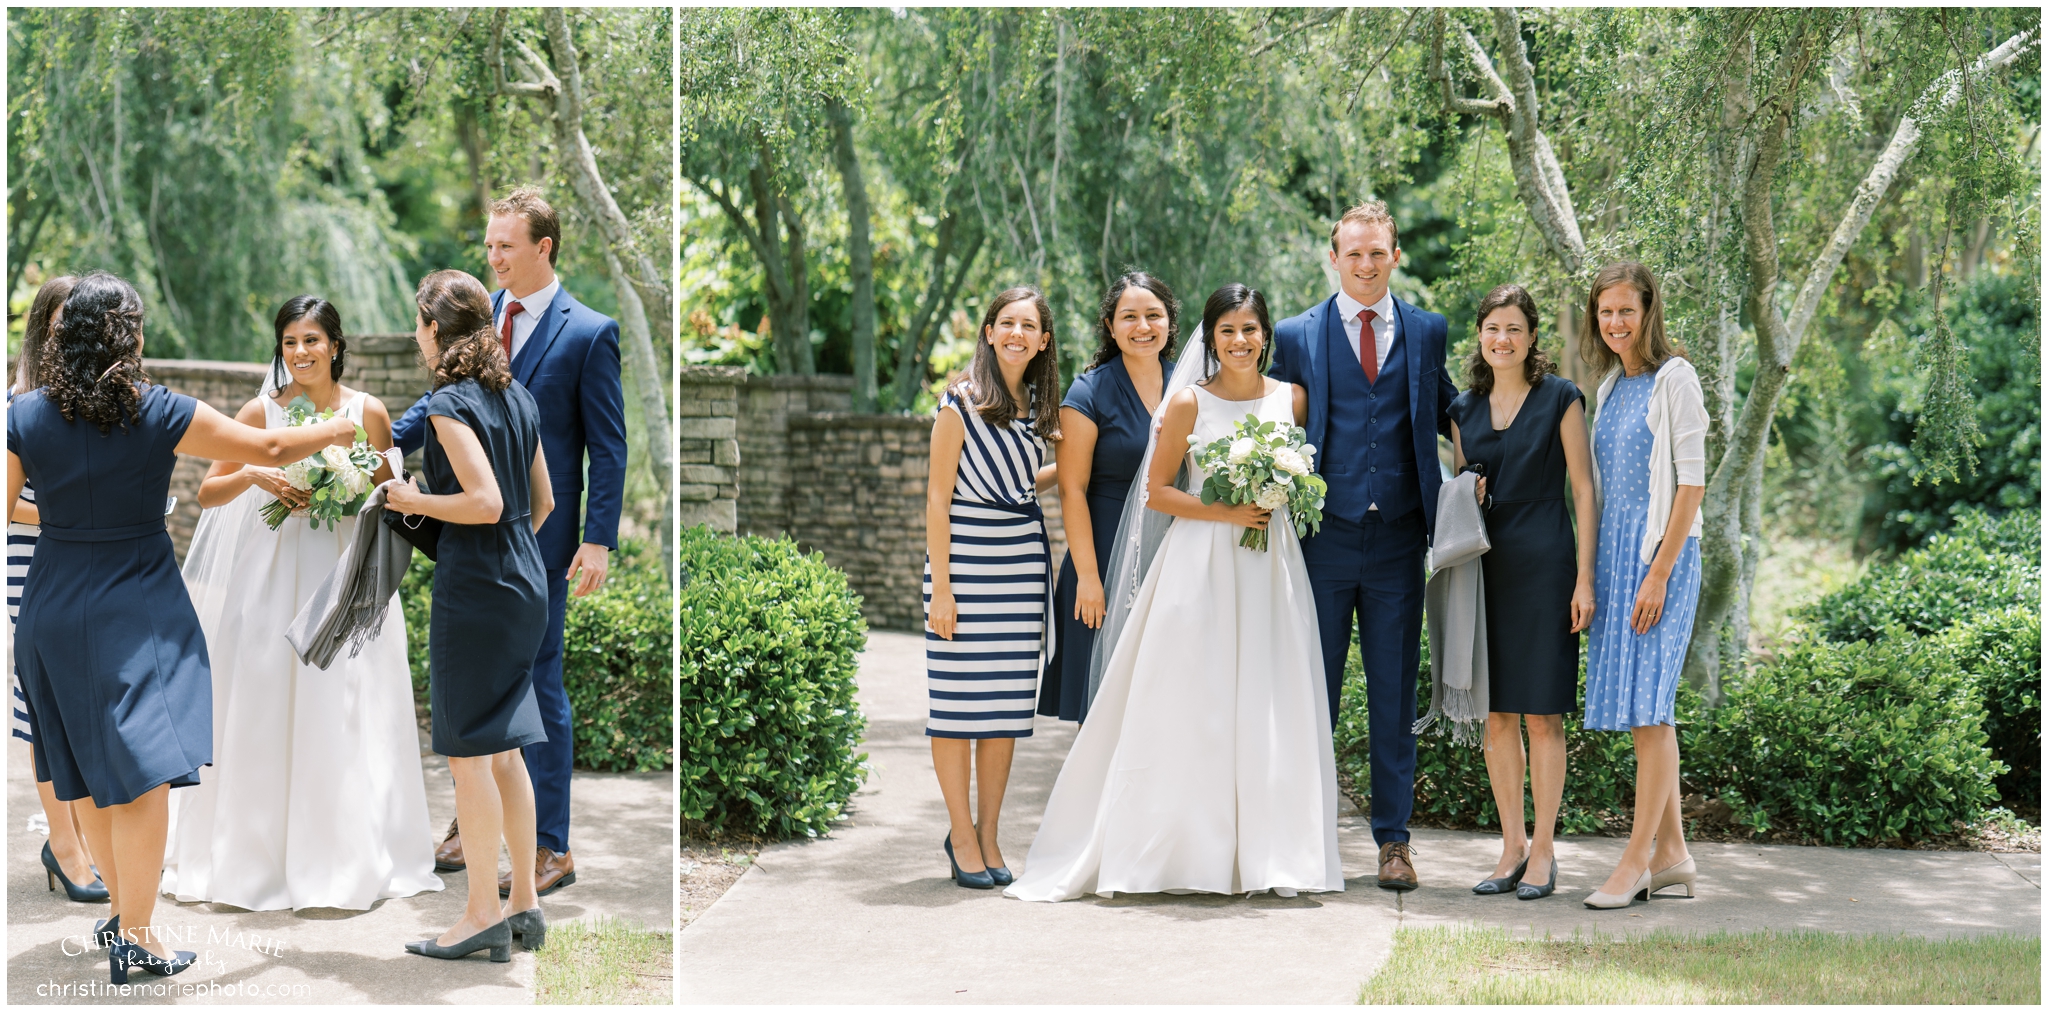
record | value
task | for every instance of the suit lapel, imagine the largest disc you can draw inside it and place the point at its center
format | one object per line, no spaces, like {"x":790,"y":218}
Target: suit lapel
{"x":1411,"y":353}
{"x":1318,"y":373}
{"x":536,"y":347}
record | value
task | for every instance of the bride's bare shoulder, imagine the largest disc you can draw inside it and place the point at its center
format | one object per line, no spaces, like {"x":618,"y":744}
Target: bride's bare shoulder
{"x":252,"y":412}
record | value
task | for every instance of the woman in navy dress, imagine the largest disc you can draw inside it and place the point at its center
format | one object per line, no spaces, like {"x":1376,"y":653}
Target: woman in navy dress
{"x":490,"y":602}
{"x":1104,"y":423}
{"x":988,"y":570}
{"x":109,"y":649}
{"x":1649,"y":462}
{"x":65,"y":856}
{"x":1527,"y":426}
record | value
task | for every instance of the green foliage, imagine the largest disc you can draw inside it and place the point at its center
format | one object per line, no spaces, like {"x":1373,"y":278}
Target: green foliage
{"x":617,"y":664}
{"x":615,"y":660}
{"x":2000,"y":328}
{"x":1984,"y":562}
{"x":225,"y":159}
{"x":771,"y":639}
{"x":1851,"y":743}
{"x":2001,"y":653}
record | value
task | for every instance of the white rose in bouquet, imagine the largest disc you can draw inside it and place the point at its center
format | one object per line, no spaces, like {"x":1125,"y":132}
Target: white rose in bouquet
{"x":1241,"y":449}
{"x":300,"y":474}
{"x":1289,"y":462}
{"x":1272,"y":497}
{"x":355,"y":479}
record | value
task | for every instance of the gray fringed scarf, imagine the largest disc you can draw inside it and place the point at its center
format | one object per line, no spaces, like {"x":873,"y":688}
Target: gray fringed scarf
{"x":1456,"y":601}
{"x":348,"y":609}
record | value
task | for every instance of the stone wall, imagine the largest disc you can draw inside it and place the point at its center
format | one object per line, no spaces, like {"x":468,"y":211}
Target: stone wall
{"x":386,"y":365}
{"x":784,"y":455}
{"x":766,"y":404}
{"x":708,"y":450}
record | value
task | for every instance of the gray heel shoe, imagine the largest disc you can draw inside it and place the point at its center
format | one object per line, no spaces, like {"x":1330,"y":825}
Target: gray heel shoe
{"x":530,"y":927}
{"x":1499,"y":886}
{"x":497,"y":938}
{"x":1525,"y":891}
{"x":1683,"y":873}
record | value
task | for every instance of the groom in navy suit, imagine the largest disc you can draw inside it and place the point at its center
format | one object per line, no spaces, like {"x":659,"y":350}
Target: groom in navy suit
{"x":1378,"y":395}
{"x":567,"y":356}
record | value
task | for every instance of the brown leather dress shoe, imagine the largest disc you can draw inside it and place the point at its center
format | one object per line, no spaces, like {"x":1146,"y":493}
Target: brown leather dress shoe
{"x":1397,"y":867}
{"x":448,"y":856}
{"x":551,"y":871}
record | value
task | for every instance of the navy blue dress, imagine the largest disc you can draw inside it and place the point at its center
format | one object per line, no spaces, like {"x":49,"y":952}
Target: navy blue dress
{"x":1533,"y":566}
{"x":107,"y":645}
{"x":1104,"y":395}
{"x":490,"y":592}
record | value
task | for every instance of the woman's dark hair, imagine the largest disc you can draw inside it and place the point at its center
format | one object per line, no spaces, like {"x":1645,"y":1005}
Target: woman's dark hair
{"x":1535,"y":365}
{"x":1106,"y":347}
{"x":93,"y":364}
{"x":1229,"y":299}
{"x":461,"y":308}
{"x":990,"y":395}
{"x":1652,"y":343}
{"x":35,"y":334}
{"x":323,"y":313}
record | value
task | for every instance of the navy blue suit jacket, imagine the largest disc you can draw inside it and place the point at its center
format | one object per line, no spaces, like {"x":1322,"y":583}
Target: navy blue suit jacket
{"x":570,"y":364}
{"x":1420,"y":337}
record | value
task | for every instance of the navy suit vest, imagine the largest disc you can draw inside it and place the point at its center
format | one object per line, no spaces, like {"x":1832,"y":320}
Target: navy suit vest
{"x":1368,"y":454}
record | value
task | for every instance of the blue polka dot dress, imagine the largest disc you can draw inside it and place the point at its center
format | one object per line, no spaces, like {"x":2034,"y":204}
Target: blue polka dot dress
{"x":1631,"y":680}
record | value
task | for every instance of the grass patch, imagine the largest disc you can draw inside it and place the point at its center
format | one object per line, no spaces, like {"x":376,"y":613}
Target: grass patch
{"x":607,"y":962}
{"x":1479,"y":965}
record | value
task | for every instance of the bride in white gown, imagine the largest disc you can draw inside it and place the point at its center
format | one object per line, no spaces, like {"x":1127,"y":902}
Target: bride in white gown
{"x":1205,"y":764}
{"x":315,"y":797}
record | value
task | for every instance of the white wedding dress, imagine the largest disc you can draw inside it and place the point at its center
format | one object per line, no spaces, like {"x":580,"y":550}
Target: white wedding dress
{"x":315,"y":797}
{"x":1205,"y":764}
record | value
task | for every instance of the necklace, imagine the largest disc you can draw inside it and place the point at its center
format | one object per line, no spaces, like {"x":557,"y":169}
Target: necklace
{"x":1512,"y":415}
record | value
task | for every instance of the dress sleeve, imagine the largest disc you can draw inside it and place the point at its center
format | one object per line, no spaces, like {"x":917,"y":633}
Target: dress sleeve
{"x":13,"y":433}
{"x":453,"y":401}
{"x":1081,"y":396}
{"x":178,"y":410}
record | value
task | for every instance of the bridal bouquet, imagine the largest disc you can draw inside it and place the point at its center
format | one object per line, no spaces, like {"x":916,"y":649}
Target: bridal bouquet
{"x":1267,"y":463}
{"x":338,"y":476}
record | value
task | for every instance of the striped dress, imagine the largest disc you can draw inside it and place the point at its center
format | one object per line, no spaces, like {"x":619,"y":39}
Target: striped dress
{"x":21,"y":547}
{"x":984,"y":681}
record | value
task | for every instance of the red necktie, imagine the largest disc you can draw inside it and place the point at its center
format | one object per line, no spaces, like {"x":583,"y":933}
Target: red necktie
{"x":1368,"y":344}
{"x":513,"y":309}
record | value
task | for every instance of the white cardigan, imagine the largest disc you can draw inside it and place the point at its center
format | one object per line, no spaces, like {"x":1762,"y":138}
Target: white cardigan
{"x":1678,"y":444}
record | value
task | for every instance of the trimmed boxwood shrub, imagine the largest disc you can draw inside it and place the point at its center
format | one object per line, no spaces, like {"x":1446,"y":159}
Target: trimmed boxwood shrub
{"x":616,"y":664}
{"x":1984,"y":562}
{"x":616,"y":660}
{"x":2001,"y":653}
{"x":771,"y":638}
{"x":1851,"y":743}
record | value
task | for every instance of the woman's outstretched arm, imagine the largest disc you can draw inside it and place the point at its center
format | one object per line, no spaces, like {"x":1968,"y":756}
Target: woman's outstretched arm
{"x":217,"y":437}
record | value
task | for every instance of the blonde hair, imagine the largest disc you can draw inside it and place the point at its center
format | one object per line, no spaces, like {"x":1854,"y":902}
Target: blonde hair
{"x":1371,"y":212}
{"x":1652,"y":343}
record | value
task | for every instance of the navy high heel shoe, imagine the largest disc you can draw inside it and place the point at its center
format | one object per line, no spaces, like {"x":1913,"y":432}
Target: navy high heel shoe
{"x":497,"y":938}
{"x":968,"y":879}
{"x":91,"y":892}
{"x":107,"y":932}
{"x":1525,"y":891}
{"x":1507,"y":884}
{"x":530,"y":927}
{"x":126,"y":955}
{"x":1001,"y":876}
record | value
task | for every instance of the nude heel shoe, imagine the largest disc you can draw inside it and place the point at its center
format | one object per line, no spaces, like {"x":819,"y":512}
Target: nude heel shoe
{"x":1604,"y":901}
{"x":1683,"y":873}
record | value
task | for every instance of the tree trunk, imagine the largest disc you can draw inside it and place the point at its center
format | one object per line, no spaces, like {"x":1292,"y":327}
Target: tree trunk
{"x":939,"y":296}
{"x":1732,"y":515}
{"x":473,"y":151}
{"x":860,"y":251}
{"x":564,"y":96}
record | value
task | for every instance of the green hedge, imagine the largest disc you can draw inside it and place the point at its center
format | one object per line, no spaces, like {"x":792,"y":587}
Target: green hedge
{"x":2001,"y":653}
{"x":1851,"y":743}
{"x":616,"y":661}
{"x":771,"y":639}
{"x":1985,"y":562}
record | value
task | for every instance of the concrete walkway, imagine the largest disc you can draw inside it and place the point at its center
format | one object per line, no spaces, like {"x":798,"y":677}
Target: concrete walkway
{"x":870,"y":915}
{"x":622,"y":835}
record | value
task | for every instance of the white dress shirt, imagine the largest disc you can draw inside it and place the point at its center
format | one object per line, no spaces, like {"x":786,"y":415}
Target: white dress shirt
{"x":531,"y":308}
{"x":1382,"y":325}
